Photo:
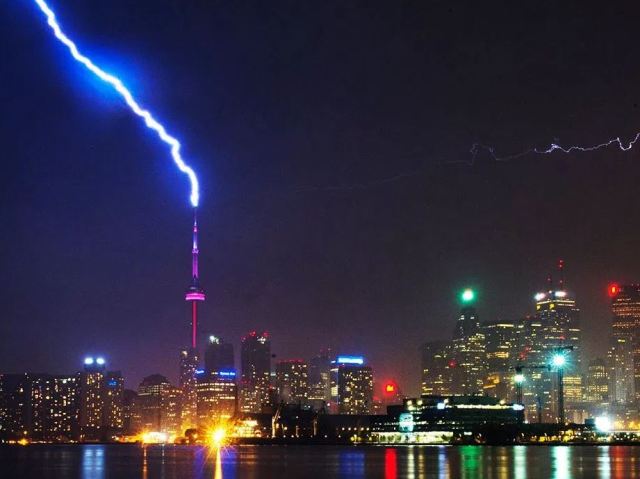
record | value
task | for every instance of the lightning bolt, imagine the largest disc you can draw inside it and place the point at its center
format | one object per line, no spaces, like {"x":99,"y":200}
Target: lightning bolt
{"x":475,"y":149}
{"x":135,"y":107}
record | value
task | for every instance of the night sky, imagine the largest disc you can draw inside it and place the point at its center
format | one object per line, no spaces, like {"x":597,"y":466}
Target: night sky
{"x":331,"y":140}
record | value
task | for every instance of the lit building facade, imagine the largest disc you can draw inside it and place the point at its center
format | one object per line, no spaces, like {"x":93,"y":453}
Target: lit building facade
{"x":55,"y":407}
{"x":554,"y":328}
{"x":624,"y":354}
{"x":437,"y":364}
{"x":292,"y":382}
{"x":469,"y":366}
{"x":504,"y":347}
{"x":351,"y":386}
{"x":113,"y":412}
{"x":15,"y":405}
{"x":597,"y":383}
{"x":217,"y":397}
{"x":255,"y":381}
{"x":158,"y":406}
{"x":189,"y":387}
{"x":92,"y":381}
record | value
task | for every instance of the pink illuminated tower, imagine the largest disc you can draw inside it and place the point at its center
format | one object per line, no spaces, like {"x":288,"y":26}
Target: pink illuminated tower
{"x":189,"y":356}
{"x":194,"y":293}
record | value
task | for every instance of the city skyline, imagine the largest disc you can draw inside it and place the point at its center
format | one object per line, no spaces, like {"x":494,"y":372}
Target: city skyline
{"x":331,"y":214}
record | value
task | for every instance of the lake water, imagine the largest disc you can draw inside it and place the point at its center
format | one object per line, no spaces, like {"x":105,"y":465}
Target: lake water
{"x":310,"y":462}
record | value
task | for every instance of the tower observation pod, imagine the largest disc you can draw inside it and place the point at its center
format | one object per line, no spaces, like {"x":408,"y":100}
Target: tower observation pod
{"x":194,"y":293}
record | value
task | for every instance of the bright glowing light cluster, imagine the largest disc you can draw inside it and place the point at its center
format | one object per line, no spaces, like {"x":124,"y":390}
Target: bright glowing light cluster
{"x":149,"y":120}
{"x":218,"y":436}
{"x":90,"y":361}
{"x":559,"y":360}
{"x":468,"y":295}
{"x":603,"y":424}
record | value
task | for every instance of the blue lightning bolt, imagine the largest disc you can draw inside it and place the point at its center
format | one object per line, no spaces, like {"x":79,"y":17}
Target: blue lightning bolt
{"x":149,"y":120}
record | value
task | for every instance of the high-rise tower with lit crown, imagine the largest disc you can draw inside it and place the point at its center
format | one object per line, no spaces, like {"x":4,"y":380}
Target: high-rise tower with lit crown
{"x":189,"y":356}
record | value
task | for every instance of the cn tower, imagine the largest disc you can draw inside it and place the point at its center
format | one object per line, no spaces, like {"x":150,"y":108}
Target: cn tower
{"x":189,"y":356}
{"x":194,"y":293}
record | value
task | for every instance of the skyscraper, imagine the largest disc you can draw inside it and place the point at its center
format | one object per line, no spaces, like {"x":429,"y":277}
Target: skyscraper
{"x":437,"y":364}
{"x":189,"y":356}
{"x":217,"y":397}
{"x":218,"y":355}
{"x":113,"y":413}
{"x":158,"y":406}
{"x":292,"y":381}
{"x":320,"y":380}
{"x":54,"y":407}
{"x":351,"y":386}
{"x":189,"y":386}
{"x":555,"y":327}
{"x":469,"y":350}
{"x":503,"y":348}
{"x":15,"y":406}
{"x":255,"y":358}
{"x":624,"y":355}
{"x":92,"y":399}
{"x":597,"y":385}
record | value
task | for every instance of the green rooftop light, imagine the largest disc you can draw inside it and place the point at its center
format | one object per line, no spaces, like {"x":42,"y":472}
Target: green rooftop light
{"x":468,"y":295}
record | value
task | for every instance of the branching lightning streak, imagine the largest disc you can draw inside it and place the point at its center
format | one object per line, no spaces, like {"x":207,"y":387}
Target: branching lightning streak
{"x":475,"y":150}
{"x":554,"y":147}
{"x":149,"y":120}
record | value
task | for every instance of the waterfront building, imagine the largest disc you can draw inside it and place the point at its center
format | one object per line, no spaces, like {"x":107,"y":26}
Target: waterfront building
{"x":351,"y":386}
{"x":54,"y":408}
{"x":217,"y":397}
{"x":92,"y":381}
{"x":158,"y":406}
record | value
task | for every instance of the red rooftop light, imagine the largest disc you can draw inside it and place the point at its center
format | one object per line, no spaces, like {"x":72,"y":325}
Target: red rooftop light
{"x":613,"y":289}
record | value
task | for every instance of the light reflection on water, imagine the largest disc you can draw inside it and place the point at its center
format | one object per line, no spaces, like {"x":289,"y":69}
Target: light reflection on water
{"x":310,"y":462}
{"x":93,"y":462}
{"x":561,"y":462}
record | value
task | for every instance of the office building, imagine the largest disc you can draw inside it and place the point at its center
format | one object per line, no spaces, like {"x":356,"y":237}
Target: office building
{"x":217,"y":397}
{"x":255,"y":381}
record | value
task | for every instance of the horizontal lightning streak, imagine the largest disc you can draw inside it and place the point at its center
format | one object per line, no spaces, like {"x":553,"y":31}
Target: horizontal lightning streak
{"x":476,"y":148}
{"x":149,"y":120}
